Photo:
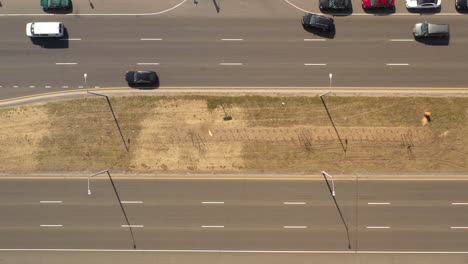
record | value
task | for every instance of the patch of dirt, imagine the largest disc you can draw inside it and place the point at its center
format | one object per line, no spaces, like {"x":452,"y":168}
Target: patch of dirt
{"x":22,"y":130}
{"x":176,"y":136}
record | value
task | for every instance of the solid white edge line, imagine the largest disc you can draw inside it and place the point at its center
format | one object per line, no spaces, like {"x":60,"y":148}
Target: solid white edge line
{"x":209,"y":226}
{"x":212,"y":202}
{"x":231,"y":63}
{"x":66,"y":63}
{"x":232,"y":39}
{"x":148,"y":63}
{"x":50,"y":201}
{"x":377,"y":227}
{"x":460,"y":203}
{"x":459,"y":227}
{"x":132,"y":226}
{"x":294,"y":226}
{"x":132,"y":202}
{"x":315,"y":64}
{"x":294,"y":203}
{"x":234,"y":251}
{"x":377,"y":203}
{"x":151,"y":39}
{"x":397,"y":64}
{"x":51,"y":225}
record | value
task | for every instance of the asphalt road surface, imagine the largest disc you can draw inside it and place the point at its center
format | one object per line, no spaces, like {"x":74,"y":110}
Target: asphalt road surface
{"x":424,"y":215}
{"x":246,"y":44}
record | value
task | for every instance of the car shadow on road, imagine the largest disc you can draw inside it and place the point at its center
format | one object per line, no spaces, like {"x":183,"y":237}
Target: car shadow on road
{"x":345,"y":12}
{"x":380,"y":11}
{"x":434,"y":41}
{"x":60,"y":11}
{"x":431,"y":11}
{"x":53,"y":43}
{"x":324,"y":34}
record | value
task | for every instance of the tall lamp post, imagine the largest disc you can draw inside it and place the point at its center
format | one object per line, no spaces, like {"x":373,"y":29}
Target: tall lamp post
{"x":332,"y":192}
{"x":118,"y":198}
{"x":85,"y":76}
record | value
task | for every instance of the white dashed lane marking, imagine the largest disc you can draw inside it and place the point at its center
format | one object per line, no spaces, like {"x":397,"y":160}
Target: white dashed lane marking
{"x":397,"y":64}
{"x":294,"y":203}
{"x":230,"y":64}
{"x":66,"y":63}
{"x":232,"y":39}
{"x":212,"y":202}
{"x":459,"y":203}
{"x":148,"y":63}
{"x":314,"y":39}
{"x":150,"y":39}
{"x":378,"y":203}
{"x":132,"y":226}
{"x":132,"y":202}
{"x":51,"y":202}
{"x":377,"y":227}
{"x":295,"y":227}
{"x":315,"y":64}
{"x":51,"y":225}
{"x":213,"y":226}
{"x":401,"y":40}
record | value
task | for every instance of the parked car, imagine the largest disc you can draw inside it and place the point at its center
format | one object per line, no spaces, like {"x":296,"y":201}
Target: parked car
{"x":55,"y":4}
{"x":317,"y":21}
{"x":335,"y":4}
{"x":461,"y":4}
{"x":378,"y":4}
{"x":422,"y":4}
{"x":141,"y":77}
{"x":425,"y":30}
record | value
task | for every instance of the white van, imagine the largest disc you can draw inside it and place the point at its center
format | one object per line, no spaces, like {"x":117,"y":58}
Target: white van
{"x":44,"y":29}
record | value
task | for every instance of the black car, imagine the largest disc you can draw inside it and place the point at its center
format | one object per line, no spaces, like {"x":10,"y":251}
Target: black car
{"x":317,"y":21}
{"x":461,"y":4}
{"x":335,"y":4}
{"x":141,"y":77}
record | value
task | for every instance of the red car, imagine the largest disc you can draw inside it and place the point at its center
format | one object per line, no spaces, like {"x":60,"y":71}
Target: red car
{"x":378,"y":3}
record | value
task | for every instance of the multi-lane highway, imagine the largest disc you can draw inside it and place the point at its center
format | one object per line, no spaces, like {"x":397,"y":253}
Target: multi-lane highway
{"x":247,"y":44}
{"x":383,"y":213}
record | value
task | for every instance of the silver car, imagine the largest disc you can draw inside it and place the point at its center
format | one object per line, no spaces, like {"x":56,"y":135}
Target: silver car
{"x":425,"y":30}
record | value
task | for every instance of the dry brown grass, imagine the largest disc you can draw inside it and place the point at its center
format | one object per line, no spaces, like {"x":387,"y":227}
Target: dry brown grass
{"x":265,"y":134}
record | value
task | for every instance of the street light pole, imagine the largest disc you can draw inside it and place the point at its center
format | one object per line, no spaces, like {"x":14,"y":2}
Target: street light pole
{"x":332,"y":192}
{"x":118,"y":198}
{"x":333,"y":182}
{"x":85,"y":84}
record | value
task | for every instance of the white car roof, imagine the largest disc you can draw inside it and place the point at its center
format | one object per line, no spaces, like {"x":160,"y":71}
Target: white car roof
{"x":47,"y":27}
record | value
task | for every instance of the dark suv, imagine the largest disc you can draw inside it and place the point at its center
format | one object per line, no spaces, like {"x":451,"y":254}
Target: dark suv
{"x":317,"y":21}
{"x":141,"y":78}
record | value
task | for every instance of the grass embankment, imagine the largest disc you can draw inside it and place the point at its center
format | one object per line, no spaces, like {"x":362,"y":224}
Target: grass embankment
{"x":265,"y":134}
